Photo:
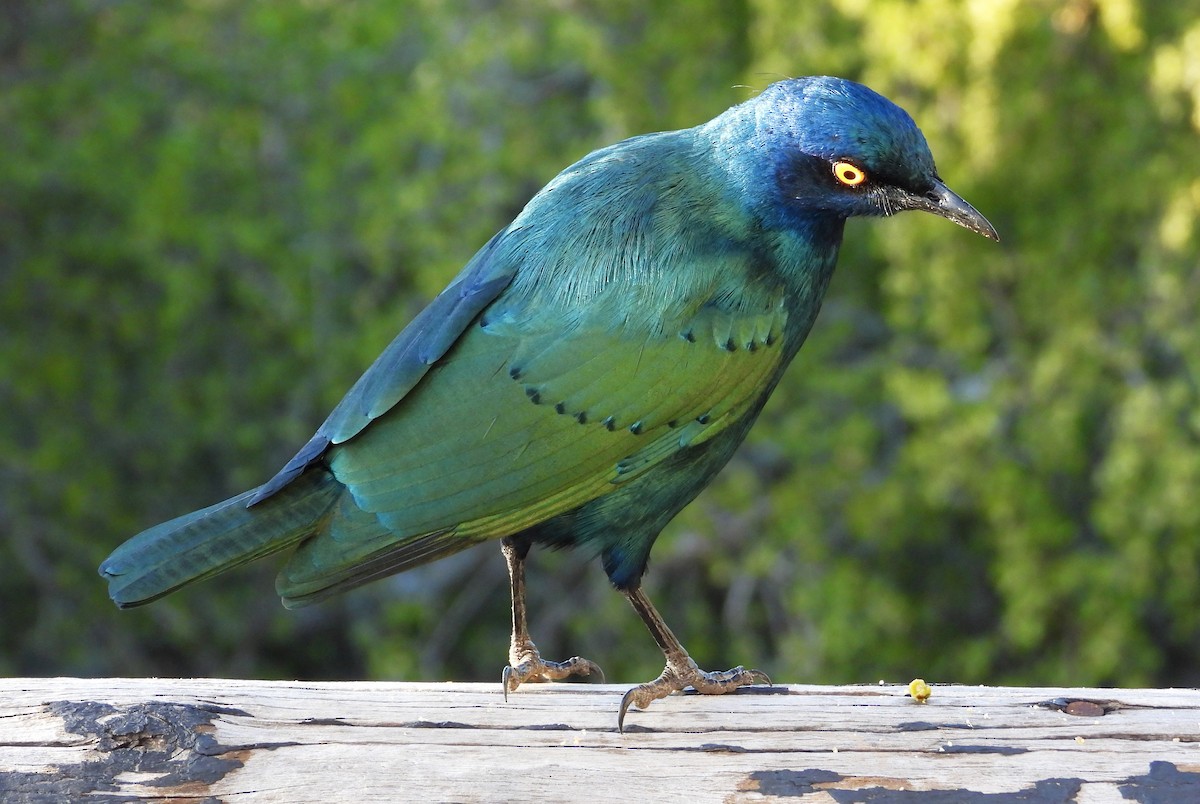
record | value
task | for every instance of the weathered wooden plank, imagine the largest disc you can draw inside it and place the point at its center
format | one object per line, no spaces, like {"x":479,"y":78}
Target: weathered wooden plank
{"x":258,"y":741}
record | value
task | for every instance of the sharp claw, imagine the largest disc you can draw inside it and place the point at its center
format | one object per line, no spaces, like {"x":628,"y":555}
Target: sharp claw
{"x":626,"y":699}
{"x":504,"y":680}
{"x":586,"y":667}
{"x":643,"y":695}
{"x":760,"y":676}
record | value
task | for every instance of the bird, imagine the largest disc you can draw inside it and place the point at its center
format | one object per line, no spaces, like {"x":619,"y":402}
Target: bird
{"x":586,"y":374}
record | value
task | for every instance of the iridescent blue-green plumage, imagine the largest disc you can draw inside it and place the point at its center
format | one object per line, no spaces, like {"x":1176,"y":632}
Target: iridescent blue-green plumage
{"x":592,"y":367}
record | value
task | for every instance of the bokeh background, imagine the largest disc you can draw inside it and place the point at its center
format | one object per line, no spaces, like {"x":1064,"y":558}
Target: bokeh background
{"x":983,"y":467}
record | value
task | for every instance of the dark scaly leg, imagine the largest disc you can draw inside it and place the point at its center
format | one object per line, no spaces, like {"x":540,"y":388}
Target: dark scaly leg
{"x":680,"y":672}
{"x":524,"y":661}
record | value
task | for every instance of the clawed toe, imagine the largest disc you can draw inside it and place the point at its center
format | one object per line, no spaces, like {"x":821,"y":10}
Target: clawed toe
{"x":727,"y":680}
{"x":534,"y":669}
{"x":674,"y":679}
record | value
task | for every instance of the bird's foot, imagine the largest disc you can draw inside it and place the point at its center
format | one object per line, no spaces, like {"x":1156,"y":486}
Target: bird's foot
{"x":679,"y":676}
{"x":529,"y":666}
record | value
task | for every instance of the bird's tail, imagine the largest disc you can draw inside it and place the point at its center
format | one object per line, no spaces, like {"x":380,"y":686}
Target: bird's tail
{"x":205,"y":542}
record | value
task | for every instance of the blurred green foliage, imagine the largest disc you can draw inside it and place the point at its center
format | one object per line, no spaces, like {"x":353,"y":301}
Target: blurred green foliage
{"x":982,"y":467}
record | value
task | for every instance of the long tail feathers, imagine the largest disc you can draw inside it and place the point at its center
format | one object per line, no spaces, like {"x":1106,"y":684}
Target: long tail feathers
{"x":203,"y":543}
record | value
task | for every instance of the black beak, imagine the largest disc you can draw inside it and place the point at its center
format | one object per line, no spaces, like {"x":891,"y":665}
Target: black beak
{"x":941,"y":200}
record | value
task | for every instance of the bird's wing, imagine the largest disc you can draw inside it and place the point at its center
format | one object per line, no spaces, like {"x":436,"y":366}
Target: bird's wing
{"x":404,"y":362}
{"x":512,"y":428}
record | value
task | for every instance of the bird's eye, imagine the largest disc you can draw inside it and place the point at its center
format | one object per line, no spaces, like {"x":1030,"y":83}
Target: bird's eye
{"x":848,"y":174}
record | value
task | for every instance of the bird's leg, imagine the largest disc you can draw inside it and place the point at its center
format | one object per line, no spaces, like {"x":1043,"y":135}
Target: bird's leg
{"x":680,"y":672}
{"x":524,"y":661}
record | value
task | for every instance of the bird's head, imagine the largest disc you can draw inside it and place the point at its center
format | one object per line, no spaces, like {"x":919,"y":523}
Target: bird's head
{"x":829,"y":145}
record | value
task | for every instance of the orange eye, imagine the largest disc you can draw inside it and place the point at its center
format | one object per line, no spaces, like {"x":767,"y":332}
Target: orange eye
{"x":848,"y":174}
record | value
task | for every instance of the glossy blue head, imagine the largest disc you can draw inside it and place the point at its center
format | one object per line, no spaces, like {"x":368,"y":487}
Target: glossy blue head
{"x":828,"y":146}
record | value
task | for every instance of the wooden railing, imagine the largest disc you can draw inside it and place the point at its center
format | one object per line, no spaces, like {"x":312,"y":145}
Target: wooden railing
{"x":67,"y":739}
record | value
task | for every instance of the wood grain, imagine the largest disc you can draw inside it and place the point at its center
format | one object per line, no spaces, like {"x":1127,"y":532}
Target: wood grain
{"x":268,"y":741}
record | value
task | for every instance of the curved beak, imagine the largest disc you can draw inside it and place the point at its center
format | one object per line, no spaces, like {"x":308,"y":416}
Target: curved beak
{"x":941,"y":200}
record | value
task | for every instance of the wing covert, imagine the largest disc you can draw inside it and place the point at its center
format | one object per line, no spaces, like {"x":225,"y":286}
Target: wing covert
{"x":405,"y":361}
